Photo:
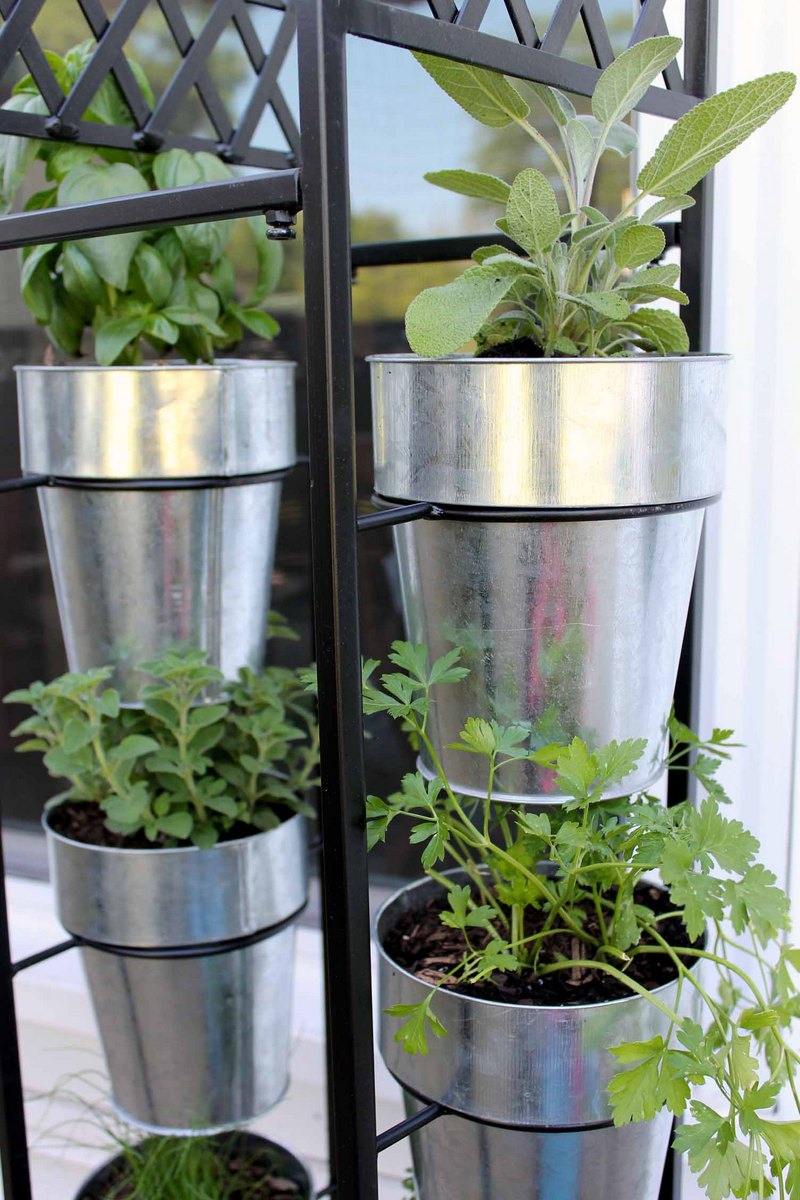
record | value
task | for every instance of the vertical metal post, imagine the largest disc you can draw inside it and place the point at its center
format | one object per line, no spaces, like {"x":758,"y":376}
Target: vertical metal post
{"x":13,"y":1138}
{"x":696,"y":224}
{"x":696,"y":256}
{"x":699,"y":72}
{"x":322,"y":33}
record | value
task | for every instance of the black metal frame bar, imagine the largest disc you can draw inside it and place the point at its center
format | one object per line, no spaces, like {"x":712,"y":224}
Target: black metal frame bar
{"x":150,"y":130}
{"x":323,"y":28}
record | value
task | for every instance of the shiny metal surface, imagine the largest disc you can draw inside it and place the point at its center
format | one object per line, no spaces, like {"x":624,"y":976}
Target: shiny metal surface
{"x":138,"y":572}
{"x":455,"y":1159}
{"x":517,"y":1065}
{"x":569,"y":628}
{"x":160,"y":421}
{"x":549,"y":433}
{"x":192,"y":1043}
{"x":195,"y":1044}
{"x":180,"y":897}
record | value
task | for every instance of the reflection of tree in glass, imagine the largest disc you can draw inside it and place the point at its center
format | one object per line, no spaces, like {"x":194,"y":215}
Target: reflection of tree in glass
{"x":61,"y":24}
{"x":380,"y":293}
{"x":506,"y":152}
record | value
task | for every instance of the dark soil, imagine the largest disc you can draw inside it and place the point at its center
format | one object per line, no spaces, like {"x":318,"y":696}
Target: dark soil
{"x":253,"y":1178}
{"x":425,"y":947}
{"x":520,"y":348}
{"x":84,"y":821}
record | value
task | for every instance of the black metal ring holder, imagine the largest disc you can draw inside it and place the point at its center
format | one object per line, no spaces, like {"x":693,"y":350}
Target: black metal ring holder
{"x":323,"y":27}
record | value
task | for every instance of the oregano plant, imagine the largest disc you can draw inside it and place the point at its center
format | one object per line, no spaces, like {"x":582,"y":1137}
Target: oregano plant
{"x":574,"y":894}
{"x":175,"y":769}
{"x":167,"y":289}
{"x":579,"y":282}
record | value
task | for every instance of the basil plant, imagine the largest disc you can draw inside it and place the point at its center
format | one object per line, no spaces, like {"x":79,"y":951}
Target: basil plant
{"x":169,"y":289}
{"x":580,"y":282}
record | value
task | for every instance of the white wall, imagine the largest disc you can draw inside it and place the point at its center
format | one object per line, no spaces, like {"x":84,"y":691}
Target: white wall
{"x":750,"y":653}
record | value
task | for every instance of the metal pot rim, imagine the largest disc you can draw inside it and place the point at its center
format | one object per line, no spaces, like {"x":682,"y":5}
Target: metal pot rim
{"x":410,"y":887}
{"x":178,"y":365}
{"x":460,"y":359}
{"x":161,"y":851}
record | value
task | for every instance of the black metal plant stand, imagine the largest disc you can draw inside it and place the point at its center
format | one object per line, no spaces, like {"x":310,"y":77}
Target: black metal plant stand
{"x":320,"y":188}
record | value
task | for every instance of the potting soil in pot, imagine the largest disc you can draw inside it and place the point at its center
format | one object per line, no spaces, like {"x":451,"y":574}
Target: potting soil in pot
{"x":423,"y":946}
{"x":250,"y":1169}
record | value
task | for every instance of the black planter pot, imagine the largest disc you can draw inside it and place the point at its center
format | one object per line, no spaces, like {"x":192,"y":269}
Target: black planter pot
{"x":238,"y":1142}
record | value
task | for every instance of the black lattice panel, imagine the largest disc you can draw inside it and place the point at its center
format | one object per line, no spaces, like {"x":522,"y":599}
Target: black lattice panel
{"x":458,"y":28}
{"x":153,"y":128}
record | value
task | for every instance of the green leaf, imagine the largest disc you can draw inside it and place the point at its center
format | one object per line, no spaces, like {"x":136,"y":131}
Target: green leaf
{"x":497,"y":956}
{"x":663,"y":208}
{"x":616,"y":760}
{"x":722,"y":1164}
{"x":36,"y":283}
{"x":207,"y":714}
{"x":113,"y":337}
{"x":159,"y":327}
{"x":662,"y":330}
{"x":62,"y":158}
{"x":156,"y":275}
{"x":66,"y":320}
{"x":80,"y":278}
{"x":638,"y":246}
{"x":76,"y":734}
{"x":756,"y":903}
{"x":559,"y":106}
{"x":205,"y":243}
{"x":533,"y":215}
{"x":581,"y":145}
{"x":134,"y":746}
{"x":471,"y":183}
{"x":485,"y":95}
{"x":435,"y":835}
{"x":192,"y":317}
{"x":461,"y":915}
{"x":720,"y":838}
{"x":257,"y":321}
{"x":440,"y":320}
{"x":634,"y":1093}
{"x":576,"y":769}
{"x":446,"y":670}
{"x":651,"y":277}
{"x":178,"y":825}
{"x":622,"y":85}
{"x":110,"y":255}
{"x":412,"y":1034}
{"x":270,"y":262}
{"x":17,"y":154}
{"x":702,"y":137}
{"x":607,"y":304}
{"x":477,"y":736}
{"x":621,"y":138}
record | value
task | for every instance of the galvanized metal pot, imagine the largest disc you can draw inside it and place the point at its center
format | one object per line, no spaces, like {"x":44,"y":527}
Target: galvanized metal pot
{"x":529,"y":1085}
{"x":144,"y":556}
{"x":105,"y":1181}
{"x":571,"y":496}
{"x":190,"y":968}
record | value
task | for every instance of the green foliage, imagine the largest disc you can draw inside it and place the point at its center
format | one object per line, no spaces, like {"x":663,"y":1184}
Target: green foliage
{"x":546,"y":871}
{"x":167,"y":289}
{"x":576,"y":284}
{"x":194,"y":1168}
{"x":178,"y":769}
